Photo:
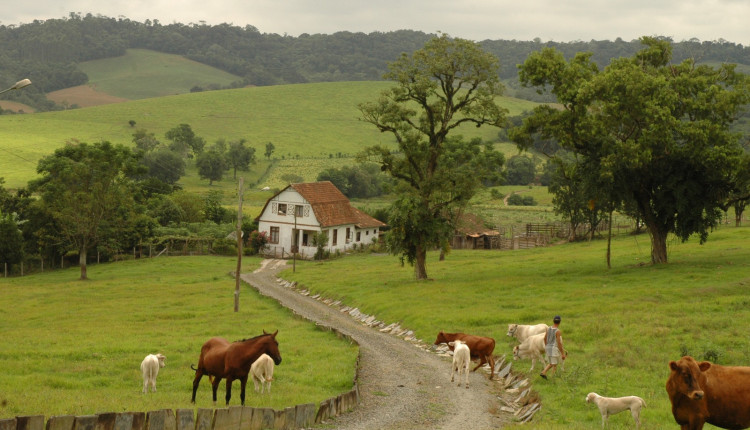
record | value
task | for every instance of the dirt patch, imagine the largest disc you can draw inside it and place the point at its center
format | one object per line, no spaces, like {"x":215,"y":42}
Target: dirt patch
{"x":83,"y":96}
{"x":16,"y":107}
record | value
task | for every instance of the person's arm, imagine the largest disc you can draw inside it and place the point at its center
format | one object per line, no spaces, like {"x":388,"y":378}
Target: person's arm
{"x":560,"y":344}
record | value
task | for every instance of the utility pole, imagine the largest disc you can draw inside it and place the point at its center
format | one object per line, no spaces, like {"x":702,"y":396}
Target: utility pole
{"x":239,"y":248}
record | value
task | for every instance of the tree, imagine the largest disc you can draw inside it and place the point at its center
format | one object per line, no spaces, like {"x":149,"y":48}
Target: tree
{"x":269,"y":150}
{"x":446,"y":84}
{"x":211,"y":165}
{"x":655,"y":135}
{"x":144,"y":140}
{"x":184,"y":140}
{"x":85,"y":187}
{"x":11,"y":247}
{"x":165,"y":165}
{"x":239,"y":156}
{"x":520,"y":170}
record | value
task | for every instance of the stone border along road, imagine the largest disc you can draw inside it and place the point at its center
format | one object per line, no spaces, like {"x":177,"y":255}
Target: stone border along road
{"x":402,"y":384}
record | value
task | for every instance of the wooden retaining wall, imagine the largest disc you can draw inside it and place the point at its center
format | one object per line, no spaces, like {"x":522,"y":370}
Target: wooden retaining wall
{"x":232,"y":418}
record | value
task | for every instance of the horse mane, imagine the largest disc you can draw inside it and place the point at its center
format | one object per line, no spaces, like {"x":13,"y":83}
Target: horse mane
{"x":252,"y":338}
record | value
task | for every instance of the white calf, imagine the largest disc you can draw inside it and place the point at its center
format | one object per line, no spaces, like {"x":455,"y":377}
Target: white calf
{"x":523,"y":332}
{"x":461,"y":361}
{"x":614,"y":405}
{"x":150,"y":368}
{"x":262,"y":371}
{"x":531,"y":348}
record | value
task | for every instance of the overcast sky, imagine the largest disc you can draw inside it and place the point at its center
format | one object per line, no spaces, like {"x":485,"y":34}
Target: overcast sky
{"x":557,"y":20}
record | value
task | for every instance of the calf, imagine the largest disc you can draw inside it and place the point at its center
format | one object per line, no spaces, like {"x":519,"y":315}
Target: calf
{"x":523,"y":332}
{"x":461,"y":360}
{"x":709,"y":393}
{"x":262,"y":371}
{"x":150,"y":368}
{"x":532,"y":348}
{"x":614,"y":405}
{"x":479,"y":347}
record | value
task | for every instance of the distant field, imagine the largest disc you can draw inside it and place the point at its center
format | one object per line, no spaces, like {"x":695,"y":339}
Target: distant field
{"x":302,"y":121}
{"x":142,"y":73}
{"x":83,"y":96}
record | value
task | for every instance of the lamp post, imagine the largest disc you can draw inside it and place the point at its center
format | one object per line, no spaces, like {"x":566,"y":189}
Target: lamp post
{"x":18,"y":85}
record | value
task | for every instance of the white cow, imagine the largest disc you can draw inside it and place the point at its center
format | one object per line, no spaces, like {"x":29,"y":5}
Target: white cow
{"x":262,"y":371}
{"x":523,"y":332}
{"x":150,"y":368}
{"x":531,"y":348}
{"x":461,"y":361}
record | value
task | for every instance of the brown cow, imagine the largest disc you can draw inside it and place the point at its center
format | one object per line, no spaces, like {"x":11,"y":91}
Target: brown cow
{"x":709,"y":393}
{"x":480,"y":347}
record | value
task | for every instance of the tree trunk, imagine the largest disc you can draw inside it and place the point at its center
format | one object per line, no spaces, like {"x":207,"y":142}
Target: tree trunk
{"x":82,"y":263}
{"x":420,"y":271}
{"x":658,"y":245}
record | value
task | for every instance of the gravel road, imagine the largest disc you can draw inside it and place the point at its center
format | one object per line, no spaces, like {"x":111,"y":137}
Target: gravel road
{"x":401,"y":386}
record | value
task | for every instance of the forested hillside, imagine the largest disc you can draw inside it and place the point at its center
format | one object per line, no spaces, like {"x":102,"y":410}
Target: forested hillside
{"x":48,"y":52}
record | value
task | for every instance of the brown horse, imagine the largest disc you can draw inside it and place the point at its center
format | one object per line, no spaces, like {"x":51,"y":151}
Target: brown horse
{"x":221,"y":359}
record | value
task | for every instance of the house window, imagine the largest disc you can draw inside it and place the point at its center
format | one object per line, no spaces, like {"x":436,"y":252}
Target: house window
{"x":367,"y":232}
{"x":298,"y":210}
{"x":305,"y":236}
{"x":335,"y":236}
{"x":358,"y":236}
{"x":274,"y":235}
{"x":348,"y":235}
{"x":282,"y":209}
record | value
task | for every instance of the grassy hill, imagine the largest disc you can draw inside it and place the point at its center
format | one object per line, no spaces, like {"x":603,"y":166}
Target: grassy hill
{"x":140,"y":74}
{"x":305,"y":122}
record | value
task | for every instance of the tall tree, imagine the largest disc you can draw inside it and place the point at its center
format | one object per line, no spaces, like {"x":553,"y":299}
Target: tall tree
{"x":211,"y":165}
{"x":239,"y":156}
{"x":656,"y":133}
{"x":85,"y":187}
{"x":446,"y":84}
{"x":270,"y":147}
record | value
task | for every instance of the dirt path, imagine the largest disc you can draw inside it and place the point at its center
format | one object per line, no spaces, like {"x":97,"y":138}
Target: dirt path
{"x":401,"y":386}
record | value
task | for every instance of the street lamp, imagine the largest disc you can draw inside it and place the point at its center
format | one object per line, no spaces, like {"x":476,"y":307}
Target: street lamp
{"x":18,"y":85}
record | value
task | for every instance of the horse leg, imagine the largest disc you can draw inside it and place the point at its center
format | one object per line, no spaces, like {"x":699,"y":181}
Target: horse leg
{"x":229,"y":389}
{"x":215,"y":386}
{"x":196,"y":381}
{"x":243,"y":382}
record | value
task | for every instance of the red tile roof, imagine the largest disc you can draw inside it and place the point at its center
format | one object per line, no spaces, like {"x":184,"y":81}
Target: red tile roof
{"x":330,"y":206}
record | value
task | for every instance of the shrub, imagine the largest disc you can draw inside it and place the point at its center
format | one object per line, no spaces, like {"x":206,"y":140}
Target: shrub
{"x":257,"y":242}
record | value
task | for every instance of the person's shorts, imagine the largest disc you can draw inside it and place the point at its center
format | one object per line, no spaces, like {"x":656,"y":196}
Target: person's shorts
{"x":554,"y":359}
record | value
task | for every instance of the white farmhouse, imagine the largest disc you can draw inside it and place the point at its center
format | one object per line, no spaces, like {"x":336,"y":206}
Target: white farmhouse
{"x":292,"y":216}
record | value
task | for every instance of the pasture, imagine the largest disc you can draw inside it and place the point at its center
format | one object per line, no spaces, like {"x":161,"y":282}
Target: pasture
{"x":72,"y":347}
{"x":621,"y":326}
{"x":304,"y":122}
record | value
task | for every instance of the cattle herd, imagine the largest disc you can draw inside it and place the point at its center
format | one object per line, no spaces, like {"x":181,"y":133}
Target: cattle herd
{"x":700,"y":392}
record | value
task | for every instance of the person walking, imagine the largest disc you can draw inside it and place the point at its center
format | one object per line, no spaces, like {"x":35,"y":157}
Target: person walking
{"x":553,"y":346}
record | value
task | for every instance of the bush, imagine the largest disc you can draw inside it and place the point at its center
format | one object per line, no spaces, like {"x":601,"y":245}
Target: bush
{"x":257,"y":242}
{"x":519,"y":200}
{"x":225,"y":247}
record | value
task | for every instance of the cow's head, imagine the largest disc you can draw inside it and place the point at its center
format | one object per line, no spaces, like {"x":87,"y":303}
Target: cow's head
{"x":441,"y":339}
{"x":515,"y":352}
{"x":512,"y":329}
{"x":686,"y":376}
{"x":161,"y":359}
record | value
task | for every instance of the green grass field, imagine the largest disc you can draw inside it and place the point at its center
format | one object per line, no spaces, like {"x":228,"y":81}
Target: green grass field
{"x":142,"y":73}
{"x":306,"y":121}
{"x":72,"y":347}
{"x":621,"y":326}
